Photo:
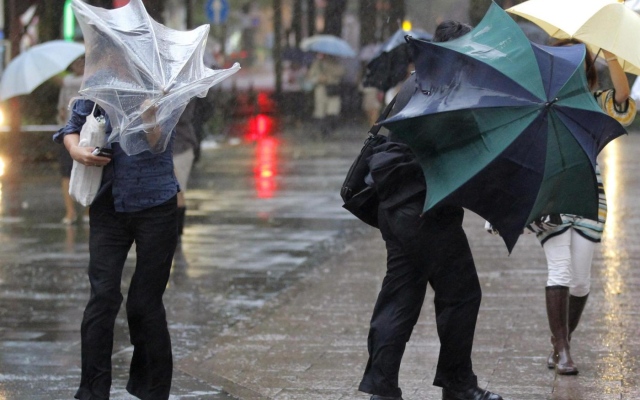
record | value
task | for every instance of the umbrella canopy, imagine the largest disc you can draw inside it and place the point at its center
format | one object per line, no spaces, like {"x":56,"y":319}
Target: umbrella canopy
{"x":601,"y":24}
{"x":37,"y":64}
{"x":633,"y":4}
{"x":328,"y":44}
{"x":136,"y":65}
{"x":389,"y":66}
{"x":505,"y":127}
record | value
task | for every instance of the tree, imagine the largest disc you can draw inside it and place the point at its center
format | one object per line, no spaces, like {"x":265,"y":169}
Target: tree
{"x":396,"y":15}
{"x":368,"y":21}
{"x":311,"y":17}
{"x":333,"y":17}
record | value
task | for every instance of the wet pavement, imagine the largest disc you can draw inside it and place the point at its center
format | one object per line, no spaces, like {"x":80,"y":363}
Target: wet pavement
{"x":261,"y":214}
{"x":280,"y":283}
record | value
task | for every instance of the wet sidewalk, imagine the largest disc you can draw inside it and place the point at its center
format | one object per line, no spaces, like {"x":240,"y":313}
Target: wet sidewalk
{"x":280,"y":283}
{"x":309,"y":342}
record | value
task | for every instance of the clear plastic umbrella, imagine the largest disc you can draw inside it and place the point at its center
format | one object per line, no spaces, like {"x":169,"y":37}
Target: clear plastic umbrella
{"x":135,"y":65}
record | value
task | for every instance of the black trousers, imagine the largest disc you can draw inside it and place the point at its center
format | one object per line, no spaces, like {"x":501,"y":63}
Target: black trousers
{"x":432,"y":249}
{"x":154,"y":231}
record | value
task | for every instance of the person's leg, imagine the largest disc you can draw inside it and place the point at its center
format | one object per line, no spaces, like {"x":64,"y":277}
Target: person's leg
{"x":396,"y":311}
{"x":151,"y":364}
{"x":582,"y":255}
{"x":69,"y":205}
{"x":109,"y":244}
{"x":558,"y":252}
{"x":65,"y":165}
{"x":183,"y":162}
{"x":457,"y":302}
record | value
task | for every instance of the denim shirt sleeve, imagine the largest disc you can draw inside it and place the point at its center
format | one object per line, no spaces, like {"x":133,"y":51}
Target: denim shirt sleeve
{"x":81,"y":108}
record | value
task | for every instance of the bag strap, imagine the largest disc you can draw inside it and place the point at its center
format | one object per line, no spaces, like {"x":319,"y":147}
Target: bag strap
{"x":376,"y":127}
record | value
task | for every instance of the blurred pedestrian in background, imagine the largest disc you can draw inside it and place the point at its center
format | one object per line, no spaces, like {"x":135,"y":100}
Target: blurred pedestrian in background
{"x":325,"y":74}
{"x":184,"y":152}
{"x":136,"y":203}
{"x":70,"y":86}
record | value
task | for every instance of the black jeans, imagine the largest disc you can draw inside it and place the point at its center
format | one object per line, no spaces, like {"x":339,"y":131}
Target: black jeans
{"x":154,"y":231}
{"x":432,"y":249}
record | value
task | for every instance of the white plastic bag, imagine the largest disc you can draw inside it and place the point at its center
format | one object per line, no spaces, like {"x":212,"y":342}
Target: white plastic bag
{"x":85,"y":181}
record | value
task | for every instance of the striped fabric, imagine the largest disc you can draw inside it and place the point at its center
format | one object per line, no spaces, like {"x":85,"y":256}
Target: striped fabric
{"x":588,"y":228}
{"x":624,"y":114}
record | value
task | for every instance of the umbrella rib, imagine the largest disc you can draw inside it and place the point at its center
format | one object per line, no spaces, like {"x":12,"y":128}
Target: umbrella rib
{"x":156,"y":51}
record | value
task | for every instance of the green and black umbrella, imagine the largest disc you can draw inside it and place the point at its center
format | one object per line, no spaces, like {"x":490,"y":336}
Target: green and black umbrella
{"x":504,"y":127}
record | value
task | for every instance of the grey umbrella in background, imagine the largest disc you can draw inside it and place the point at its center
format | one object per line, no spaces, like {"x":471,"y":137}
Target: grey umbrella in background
{"x":328,"y":44}
{"x":135,"y":65}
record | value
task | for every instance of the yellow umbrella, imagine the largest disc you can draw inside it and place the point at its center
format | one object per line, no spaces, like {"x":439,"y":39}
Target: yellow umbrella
{"x":600,"y":24}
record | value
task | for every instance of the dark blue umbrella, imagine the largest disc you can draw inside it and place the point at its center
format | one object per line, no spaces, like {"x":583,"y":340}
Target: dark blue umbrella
{"x":389,"y":66}
{"x":505,"y":127}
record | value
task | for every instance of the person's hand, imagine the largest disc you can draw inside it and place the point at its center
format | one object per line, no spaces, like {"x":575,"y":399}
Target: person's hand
{"x":83,"y":154}
{"x":149,"y":121}
{"x":148,"y":115}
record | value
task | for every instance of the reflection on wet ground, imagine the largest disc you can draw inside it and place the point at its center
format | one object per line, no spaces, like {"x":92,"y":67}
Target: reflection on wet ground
{"x":259,"y":215}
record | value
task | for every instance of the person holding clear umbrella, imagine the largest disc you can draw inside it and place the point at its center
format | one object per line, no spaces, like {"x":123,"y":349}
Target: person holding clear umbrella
{"x":136,"y":203}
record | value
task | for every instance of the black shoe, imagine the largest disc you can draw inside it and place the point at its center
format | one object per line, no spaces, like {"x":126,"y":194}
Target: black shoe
{"x":473,"y":393}
{"x":376,"y":397}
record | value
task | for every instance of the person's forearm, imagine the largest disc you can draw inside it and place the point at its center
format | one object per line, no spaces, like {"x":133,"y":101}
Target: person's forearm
{"x":71,"y":140}
{"x":618,"y":78}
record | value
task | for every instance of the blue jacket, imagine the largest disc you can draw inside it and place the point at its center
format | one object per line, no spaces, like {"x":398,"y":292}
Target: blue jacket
{"x":136,"y":182}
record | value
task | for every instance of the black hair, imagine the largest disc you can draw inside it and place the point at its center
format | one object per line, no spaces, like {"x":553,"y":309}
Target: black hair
{"x":448,"y":30}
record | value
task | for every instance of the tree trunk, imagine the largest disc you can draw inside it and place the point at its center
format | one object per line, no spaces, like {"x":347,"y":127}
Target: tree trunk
{"x":396,"y":15}
{"x":155,"y":8}
{"x":296,"y":23}
{"x":50,"y":27}
{"x":368,"y":18}
{"x":333,"y":17}
{"x":311,"y":17}
{"x":277,"y":44}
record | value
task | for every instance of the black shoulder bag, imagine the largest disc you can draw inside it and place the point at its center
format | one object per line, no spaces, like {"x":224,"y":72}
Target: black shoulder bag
{"x":359,"y":198}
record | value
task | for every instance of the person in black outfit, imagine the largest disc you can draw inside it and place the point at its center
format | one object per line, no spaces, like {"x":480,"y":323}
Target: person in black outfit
{"x":422,"y":248}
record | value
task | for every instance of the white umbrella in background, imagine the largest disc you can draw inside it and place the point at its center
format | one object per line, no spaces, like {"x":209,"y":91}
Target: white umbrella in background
{"x":34,"y":66}
{"x":634,"y":4}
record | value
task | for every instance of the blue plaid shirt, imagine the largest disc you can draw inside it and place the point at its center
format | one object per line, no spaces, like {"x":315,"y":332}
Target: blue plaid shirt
{"x":136,"y":182}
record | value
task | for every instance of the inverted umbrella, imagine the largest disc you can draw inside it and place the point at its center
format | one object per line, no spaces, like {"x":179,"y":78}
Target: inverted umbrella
{"x":37,"y":64}
{"x":601,"y":24}
{"x":505,"y":127}
{"x":136,"y":65}
{"x":328,"y":44}
{"x":389,"y":66}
